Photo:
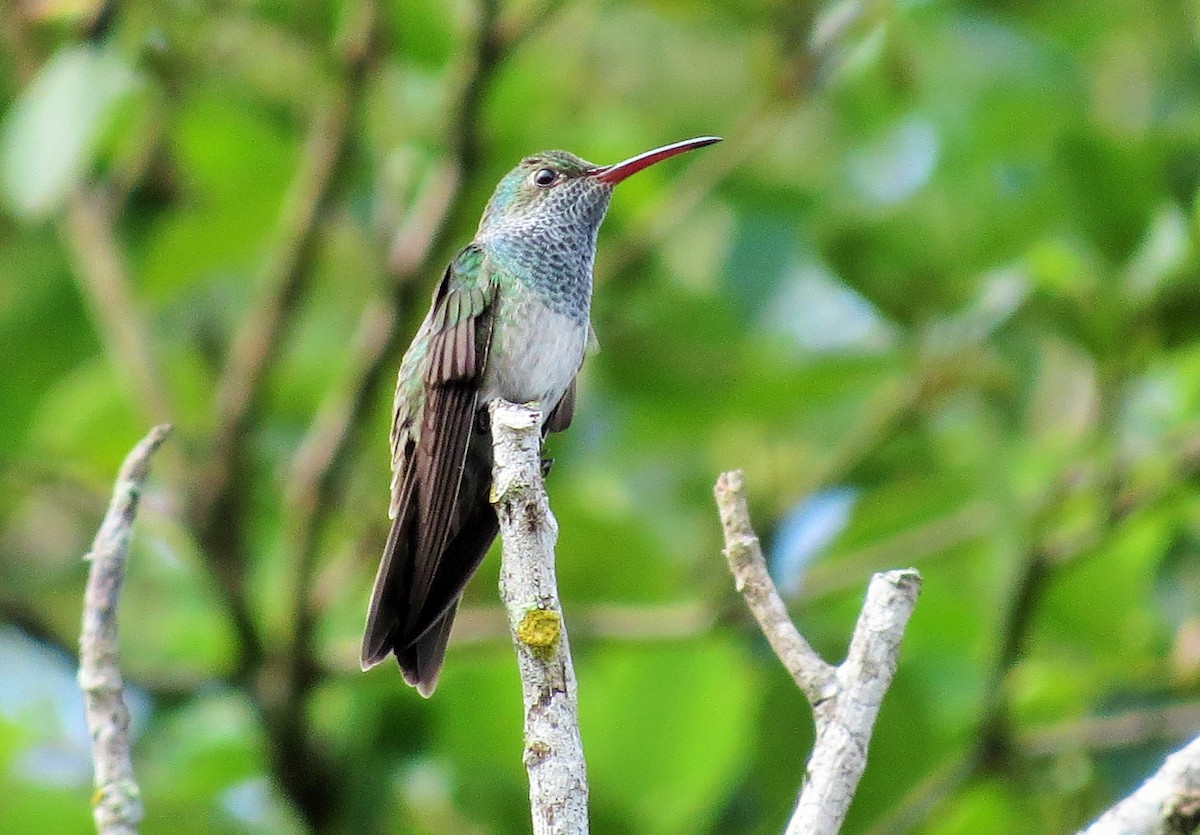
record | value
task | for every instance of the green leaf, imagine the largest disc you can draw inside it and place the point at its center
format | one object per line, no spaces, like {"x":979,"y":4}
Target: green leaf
{"x":51,"y":133}
{"x":665,"y":728}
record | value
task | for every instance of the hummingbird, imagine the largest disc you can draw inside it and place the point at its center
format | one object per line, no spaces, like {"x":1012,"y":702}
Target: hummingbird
{"x":510,"y":319}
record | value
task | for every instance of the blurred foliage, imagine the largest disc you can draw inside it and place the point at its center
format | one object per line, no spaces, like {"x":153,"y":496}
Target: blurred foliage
{"x":944,"y":267}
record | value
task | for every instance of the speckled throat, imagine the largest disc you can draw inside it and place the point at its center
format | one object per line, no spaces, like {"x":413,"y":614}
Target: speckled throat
{"x":550,"y":245}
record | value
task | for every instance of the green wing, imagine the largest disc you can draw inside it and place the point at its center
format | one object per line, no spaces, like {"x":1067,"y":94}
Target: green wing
{"x":461,"y":335}
{"x":436,"y":400}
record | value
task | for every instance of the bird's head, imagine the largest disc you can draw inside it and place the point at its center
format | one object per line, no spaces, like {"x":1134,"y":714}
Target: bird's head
{"x":558,"y":190}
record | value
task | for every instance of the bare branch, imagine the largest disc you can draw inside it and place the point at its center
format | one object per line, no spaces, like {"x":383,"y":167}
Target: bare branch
{"x":218,"y":504}
{"x":815,"y":678}
{"x":1166,"y":804}
{"x":750,"y":136}
{"x":845,"y":700}
{"x":117,"y":803}
{"x":514,"y":32}
{"x":425,"y":221}
{"x":16,"y":40}
{"x":558,"y":788}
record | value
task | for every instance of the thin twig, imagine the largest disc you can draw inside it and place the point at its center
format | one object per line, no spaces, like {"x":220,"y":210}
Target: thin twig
{"x":32,"y":619}
{"x":166,"y":689}
{"x":117,"y":802}
{"x":749,"y":135}
{"x":622,"y":265}
{"x":16,"y":40}
{"x":846,"y":699}
{"x":1029,"y":584}
{"x":994,"y":747}
{"x":915,"y":805}
{"x":553,"y":757}
{"x":425,"y":222}
{"x":1166,"y":804}
{"x":513,"y":33}
{"x":815,"y":678}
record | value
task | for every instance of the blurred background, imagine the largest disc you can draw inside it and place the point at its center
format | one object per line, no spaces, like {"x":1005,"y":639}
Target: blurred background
{"x":936,"y":294}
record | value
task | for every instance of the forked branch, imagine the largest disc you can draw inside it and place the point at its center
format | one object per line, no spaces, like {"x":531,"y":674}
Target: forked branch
{"x":845,"y":699}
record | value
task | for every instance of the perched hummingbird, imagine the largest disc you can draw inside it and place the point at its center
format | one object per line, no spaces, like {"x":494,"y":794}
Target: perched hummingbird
{"x":509,"y":320}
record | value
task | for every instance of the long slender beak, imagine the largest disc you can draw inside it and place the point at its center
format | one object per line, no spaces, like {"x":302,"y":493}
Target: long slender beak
{"x":614,"y":174}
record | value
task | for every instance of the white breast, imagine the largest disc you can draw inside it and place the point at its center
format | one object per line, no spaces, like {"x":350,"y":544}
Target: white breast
{"x":535,"y":353}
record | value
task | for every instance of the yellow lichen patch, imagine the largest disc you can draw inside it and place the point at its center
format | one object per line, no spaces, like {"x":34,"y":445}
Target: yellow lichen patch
{"x":539,"y":629}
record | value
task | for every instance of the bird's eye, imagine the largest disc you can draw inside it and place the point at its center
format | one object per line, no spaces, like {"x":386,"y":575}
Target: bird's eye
{"x":544,"y":177}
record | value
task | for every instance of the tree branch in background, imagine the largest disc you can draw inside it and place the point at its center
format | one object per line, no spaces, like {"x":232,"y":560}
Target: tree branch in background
{"x":87,"y":228}
{"x":846,"y":699}
{"x":422,"y":236}
{"x":303,"y":768}
{"x":558,"y":790}
{"x":219,"y":504}
{"x":117,"y":803}
{"x":1166,"y":724}
{"x":996,"y":741}
{"x":511,"y":34}
{"x":288,"y":264}
{"x":1166,"y":804}
{"x":802,"y":51}
{"x":283,"y":277}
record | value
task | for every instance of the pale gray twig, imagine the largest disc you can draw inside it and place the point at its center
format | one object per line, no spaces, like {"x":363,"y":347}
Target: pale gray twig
{"x":117,"y":805}
{"x":845,"y":699}
{"x":815,"y":678}
{"x":558,"y":790}
{"x":1166,"y":804}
